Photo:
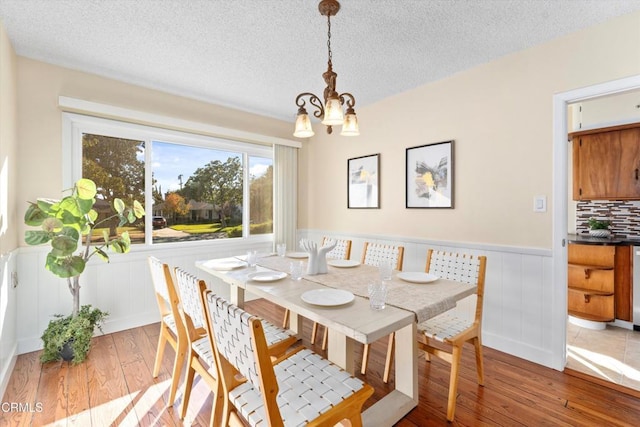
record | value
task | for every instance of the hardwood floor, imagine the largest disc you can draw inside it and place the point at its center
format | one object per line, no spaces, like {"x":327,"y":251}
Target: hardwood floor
{"x":114,"y":387}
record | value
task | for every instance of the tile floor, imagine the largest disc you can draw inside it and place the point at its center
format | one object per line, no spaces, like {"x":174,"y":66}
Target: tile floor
{"x":612,"y":354}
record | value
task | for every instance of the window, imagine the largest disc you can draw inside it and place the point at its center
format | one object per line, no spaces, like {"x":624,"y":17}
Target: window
{"x":193,"y":187}
{"x":116,"y":165}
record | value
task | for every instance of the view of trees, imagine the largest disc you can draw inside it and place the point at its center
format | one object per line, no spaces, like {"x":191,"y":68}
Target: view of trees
{"x":112,"y":163}
{"x":116,"y":166}
{"x":217,"y":183}
{"x":175,"y":205}
{"x":156,"y":190}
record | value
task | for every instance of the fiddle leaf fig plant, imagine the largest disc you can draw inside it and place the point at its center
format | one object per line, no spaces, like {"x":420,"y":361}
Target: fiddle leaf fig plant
{"x":63,"y":223}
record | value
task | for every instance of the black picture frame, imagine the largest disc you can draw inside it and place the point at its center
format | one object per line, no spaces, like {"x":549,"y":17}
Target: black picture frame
{"x":363,"y":182}
{"x":429,"y":176}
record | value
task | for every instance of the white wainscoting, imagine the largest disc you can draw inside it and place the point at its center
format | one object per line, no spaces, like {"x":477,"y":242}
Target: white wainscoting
{"x":518,"y":290}
{"x":8,"y":319}
{"x":122,"y":287}
{"x":518,"y":296}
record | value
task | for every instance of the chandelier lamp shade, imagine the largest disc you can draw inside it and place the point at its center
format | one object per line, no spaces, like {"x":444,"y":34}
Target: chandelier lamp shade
{"x":330,"y":109}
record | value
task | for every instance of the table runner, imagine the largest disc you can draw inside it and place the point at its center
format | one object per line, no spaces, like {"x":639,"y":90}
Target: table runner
{"x":426,"y":300}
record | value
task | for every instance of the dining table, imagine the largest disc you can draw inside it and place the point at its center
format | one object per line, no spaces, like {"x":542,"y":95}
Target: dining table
{"x":338,"y":299}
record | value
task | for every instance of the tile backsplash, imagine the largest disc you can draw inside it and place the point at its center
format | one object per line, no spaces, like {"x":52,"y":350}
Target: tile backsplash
{"x":623,"y":214}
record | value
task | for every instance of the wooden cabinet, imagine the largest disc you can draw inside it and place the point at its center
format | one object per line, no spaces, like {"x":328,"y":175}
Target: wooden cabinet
{"x":591,"y":282}
{"x":606,"y":163}
{"x":623,"y":278}
{"x":599,"y":282}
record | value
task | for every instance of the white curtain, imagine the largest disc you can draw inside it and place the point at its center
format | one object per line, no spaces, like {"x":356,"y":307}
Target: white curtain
{"x":285,"y":195}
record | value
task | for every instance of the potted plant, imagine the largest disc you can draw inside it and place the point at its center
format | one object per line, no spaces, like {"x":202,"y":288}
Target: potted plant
{"x":599,"y":228}
{"x":69,"y":337}
{"x":63,"y":224}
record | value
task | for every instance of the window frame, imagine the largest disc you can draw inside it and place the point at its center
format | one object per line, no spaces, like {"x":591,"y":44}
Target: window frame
{"x":74,"y":125}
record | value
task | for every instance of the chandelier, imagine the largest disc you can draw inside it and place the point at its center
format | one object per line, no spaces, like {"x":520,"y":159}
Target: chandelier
{"x":330,"y":112}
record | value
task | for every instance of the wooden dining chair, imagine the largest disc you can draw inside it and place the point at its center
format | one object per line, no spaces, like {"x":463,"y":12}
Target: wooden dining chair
{"x":373,"y":254}
{"x":341,"y":251}
{"x":172,"y":330}
{"x":301,"y":388}
{"x":200,"y":356}
{"x":449,"y":330}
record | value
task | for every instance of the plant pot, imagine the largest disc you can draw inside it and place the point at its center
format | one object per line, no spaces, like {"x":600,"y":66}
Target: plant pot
{"x":66,"y":352}
{"x":600,"y":233}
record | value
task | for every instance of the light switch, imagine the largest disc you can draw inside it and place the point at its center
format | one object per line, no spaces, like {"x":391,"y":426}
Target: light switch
{"x":540,"y":204}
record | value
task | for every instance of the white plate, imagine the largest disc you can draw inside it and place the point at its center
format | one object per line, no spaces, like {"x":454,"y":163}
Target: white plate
{"x":267,"y":276}
{"x":417,"y":277}
{"x":327,"y":297}
{"x":343,"y":263}
{"x":225,"y":264}
{"x":297,"y":255}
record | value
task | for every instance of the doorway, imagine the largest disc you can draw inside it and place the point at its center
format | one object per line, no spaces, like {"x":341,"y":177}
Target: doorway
{"x":581,"y":349}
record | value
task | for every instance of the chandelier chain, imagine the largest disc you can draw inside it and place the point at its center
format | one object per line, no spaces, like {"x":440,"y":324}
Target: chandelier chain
{"x":329,"y":37}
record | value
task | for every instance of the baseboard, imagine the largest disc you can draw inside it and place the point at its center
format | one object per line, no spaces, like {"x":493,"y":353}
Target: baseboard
{"x":27,"y":345}
{"x":5,"y":371}
{"x":124,"y":323}
{"x":533,"y":354}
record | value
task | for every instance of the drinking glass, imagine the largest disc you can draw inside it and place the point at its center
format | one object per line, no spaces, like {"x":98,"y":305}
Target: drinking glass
{"x":296,"y":270}
{"x":281,"y":248}
{"x":252,"y":258}
{"x":377,"y":296}
{"x":386,"y":268}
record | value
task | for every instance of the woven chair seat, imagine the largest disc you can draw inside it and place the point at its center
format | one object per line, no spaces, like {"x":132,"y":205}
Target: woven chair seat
{"x":274,"y":334}
{"x":170,"y":321}
{"x":443,"y":326}
{"x":202,"y":347}
{"x":309,"y":386}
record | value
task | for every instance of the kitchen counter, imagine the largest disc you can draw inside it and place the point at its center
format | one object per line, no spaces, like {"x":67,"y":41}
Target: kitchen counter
{"x":585,"y":239}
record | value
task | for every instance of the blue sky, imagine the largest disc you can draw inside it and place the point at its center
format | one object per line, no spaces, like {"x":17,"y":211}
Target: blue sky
{"x":171,"y":160}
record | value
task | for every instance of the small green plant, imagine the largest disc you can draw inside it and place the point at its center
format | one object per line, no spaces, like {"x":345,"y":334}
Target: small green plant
{"x":597,"y":224}
{"x":77,"y":331}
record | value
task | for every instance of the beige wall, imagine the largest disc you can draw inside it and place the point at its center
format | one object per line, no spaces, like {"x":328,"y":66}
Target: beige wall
{"x":8,"y":146}
{"x":40,"y":124}
{"x":8,"y":210}
{"x":500,"y":116}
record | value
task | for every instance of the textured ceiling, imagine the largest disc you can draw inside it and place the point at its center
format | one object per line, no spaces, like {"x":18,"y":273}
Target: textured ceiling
{"x":257,"y":55}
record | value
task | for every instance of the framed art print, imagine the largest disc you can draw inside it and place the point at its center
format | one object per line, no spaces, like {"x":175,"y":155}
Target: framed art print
{"x":363,"y":182}
{"x":429,"y":176}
